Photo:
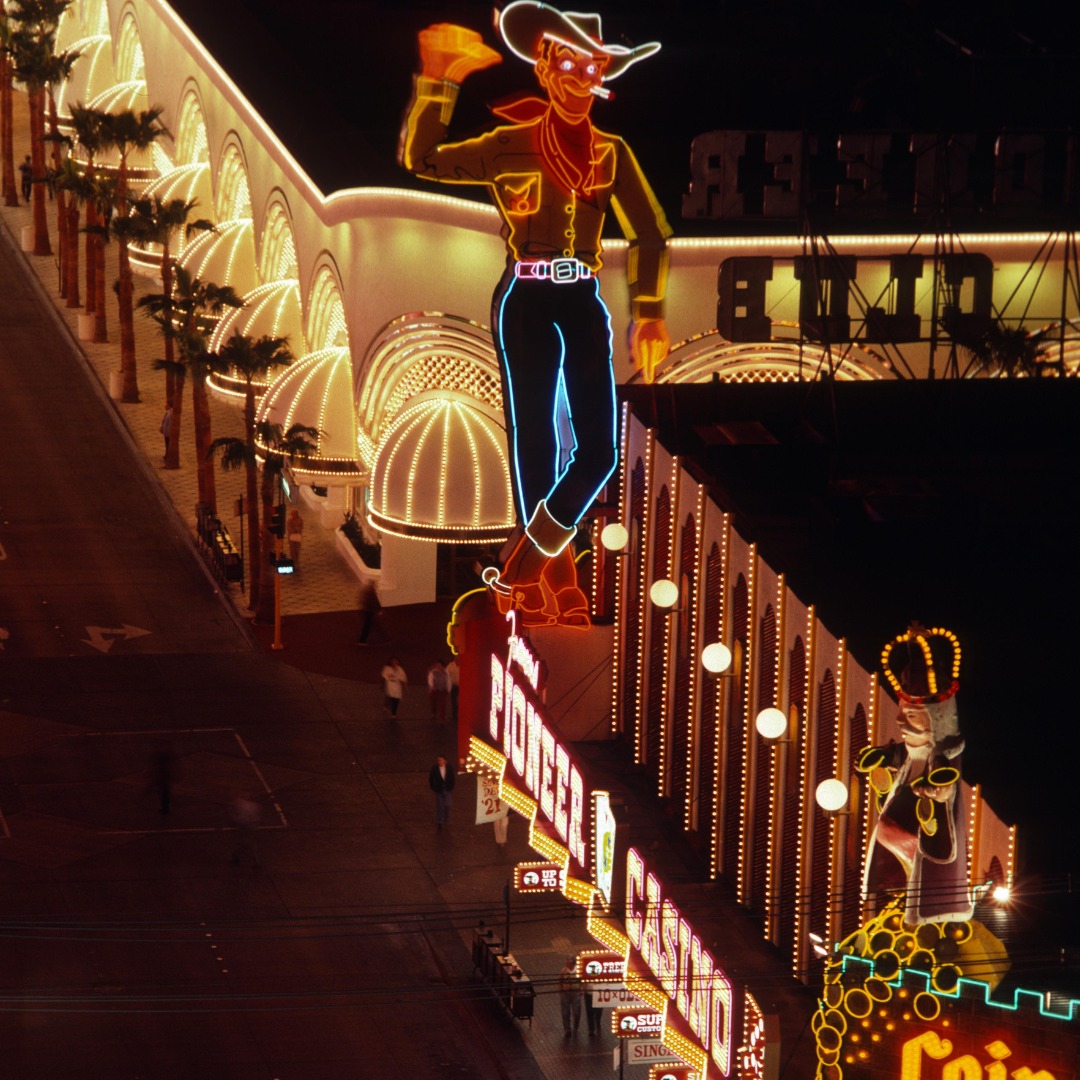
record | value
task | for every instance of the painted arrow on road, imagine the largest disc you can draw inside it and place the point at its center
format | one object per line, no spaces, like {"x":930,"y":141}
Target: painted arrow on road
{"x":103,"y":638}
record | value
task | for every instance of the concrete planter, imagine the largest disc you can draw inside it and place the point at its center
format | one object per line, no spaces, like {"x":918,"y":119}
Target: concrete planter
{"x":116,"y":384}
{"x":352,"y":557}
{"x":27,"y":238}
{"x":86,"y":327}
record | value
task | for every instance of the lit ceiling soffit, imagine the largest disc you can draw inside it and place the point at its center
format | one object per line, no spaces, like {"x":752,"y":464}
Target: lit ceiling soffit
{"x":225,"y":256}
{"x":189,"y":183}
{"x":419,"y":337}
{"x":316,"y":391}
{"x":271,"y":310}
{"x":92,"y":74}
{"x":442,"y":473}
{"x":697,"y":359}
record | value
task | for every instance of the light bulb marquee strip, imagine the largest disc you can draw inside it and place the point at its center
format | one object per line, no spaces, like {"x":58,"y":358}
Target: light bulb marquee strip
{"x":749,"y":742}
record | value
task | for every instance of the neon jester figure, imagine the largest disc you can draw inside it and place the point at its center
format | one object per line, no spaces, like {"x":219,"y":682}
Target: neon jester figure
{"x":918,"y":844}
{"x":553,"y":177}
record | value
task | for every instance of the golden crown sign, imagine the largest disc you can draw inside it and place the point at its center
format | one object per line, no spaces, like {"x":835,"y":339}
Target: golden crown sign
{"x":937,"y":650}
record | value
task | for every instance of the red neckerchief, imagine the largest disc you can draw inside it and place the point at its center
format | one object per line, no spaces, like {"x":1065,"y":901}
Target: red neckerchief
{"x":568,"y":150}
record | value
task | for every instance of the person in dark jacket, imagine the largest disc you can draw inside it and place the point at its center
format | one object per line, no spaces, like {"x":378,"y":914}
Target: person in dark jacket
{"x":441,"y":780}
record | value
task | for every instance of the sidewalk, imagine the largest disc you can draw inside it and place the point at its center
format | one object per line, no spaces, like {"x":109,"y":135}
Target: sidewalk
{"x":319,"y":633}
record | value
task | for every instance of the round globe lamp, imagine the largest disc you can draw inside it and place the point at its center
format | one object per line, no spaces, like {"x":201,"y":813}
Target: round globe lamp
{"x":614,"y":537}
{"x":771,"y":724}
{"x":831,"y":796}
{"x":664,"y":593}
{"x":716,"y":658}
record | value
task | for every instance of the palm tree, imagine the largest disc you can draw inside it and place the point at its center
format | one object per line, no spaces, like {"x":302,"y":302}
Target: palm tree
{"x":78,"y":189}
{"x":127,"y":131}
{"x":251,"y":359}
{"x":30,"y":39}
{"x":279,"y":448}
{"x":103,"y":200}
{"x":192,"y":310}
{"x":7,"y":140}
{"x":57,"y":70}
{"x":87,"y":124}
{"x":1008,"y":351}
{"x":153,"y":221}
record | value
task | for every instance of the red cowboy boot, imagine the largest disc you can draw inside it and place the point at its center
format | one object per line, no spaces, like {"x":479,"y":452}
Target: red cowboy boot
{"x":565,"y":602}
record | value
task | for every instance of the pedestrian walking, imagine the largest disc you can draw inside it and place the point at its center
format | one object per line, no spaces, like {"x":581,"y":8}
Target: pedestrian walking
{"x":394,"y":683}
{"x":370,"y":610}
{"x":166,"y":429}
{"x":454,"y":672}
{"x":570,"y":997}
{"x":245,"y":815}
{"x":438,"y":691}
{"x":50,"y":181}
{"x":593,"y":1014}
{"x":441,"y":780}
{"x":294,"y":529}
{"x":27,"y":175}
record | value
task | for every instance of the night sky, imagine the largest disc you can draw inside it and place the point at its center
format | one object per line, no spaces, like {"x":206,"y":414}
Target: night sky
{"x":335,"y":81}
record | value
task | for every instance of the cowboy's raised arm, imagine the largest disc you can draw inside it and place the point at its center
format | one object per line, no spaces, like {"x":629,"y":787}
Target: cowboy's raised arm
{"x":448,"y":55}
{"x":644,"y":225}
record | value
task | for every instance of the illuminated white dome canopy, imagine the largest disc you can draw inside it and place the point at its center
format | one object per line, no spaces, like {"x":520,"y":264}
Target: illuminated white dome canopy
{"x":92,"y":75}
{"x":190,"y":183}
{"x":317,"y":391}
{"x":225,"y":256}
{"x":441,"y":472}
{"x":271,"y":310}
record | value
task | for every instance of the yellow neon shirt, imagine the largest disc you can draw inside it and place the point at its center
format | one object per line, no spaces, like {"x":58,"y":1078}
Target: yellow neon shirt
{"x":541,"y":220}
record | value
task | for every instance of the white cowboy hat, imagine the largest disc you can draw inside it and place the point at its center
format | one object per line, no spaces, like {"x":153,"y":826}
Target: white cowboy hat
{"x":524,"y":24}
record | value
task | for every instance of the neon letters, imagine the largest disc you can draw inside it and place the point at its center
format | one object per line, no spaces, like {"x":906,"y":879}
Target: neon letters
{"x":702,"y":993}
{"x":929,"y":1046}
{"x":540,"y":761}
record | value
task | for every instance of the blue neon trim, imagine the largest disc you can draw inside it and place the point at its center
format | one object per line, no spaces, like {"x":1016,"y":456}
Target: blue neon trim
{"x":614,"y":407}
{"x":559,"y":471}
{"x":523,"y":514}
{"x":971,"y":988}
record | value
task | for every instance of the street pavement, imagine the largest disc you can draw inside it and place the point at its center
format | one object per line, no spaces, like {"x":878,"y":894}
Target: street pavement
{"x":133,"y":945}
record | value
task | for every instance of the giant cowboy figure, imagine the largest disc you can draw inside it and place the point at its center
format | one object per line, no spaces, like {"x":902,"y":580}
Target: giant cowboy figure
{"x":552,"y":176}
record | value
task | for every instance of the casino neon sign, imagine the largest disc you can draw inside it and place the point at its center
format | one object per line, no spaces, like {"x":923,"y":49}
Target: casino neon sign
{"x":696,"y":1003}
{"x":668,"y":946}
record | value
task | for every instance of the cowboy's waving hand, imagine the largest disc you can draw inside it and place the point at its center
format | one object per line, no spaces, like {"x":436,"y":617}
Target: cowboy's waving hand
{"x":452,"y":53}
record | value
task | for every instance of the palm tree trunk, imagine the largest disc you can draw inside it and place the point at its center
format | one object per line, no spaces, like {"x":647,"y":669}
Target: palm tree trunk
{"x":170,"y":351}
{"x":126,"y":306}
{"x":256,"y":547}
{"x":7,"y":137}
{"x":37,"y":161}
{"x":101,"y":330}
{"x":172,"y":457}
{"x":63,"y":240}
{"x":264,"y":612}
{"x":200,"y":416}
{"x":91,"y":252}
{"x":72,"y":218}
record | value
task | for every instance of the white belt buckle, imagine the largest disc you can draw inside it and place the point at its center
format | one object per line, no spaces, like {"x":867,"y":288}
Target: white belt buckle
{"x":564,"y":270}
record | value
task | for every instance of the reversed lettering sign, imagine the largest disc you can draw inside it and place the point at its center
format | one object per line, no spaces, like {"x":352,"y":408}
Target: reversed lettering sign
{"x":612,"y":998}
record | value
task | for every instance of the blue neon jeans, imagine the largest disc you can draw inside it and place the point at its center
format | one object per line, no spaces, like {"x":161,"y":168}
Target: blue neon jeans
{"x":553,"y":340}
